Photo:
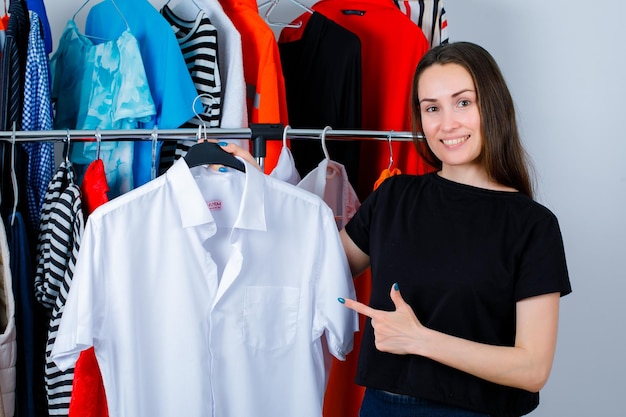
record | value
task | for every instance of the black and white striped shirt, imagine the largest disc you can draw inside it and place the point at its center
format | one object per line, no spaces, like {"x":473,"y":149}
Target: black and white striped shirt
{"x":61,"y":227}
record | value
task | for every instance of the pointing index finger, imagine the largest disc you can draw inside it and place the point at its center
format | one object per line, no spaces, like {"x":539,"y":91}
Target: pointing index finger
{"x":358,"y":307}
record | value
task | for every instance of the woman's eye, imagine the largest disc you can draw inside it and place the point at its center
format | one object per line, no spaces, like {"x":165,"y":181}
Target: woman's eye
{"x":431,"y":109}
{"x":464,"y":103}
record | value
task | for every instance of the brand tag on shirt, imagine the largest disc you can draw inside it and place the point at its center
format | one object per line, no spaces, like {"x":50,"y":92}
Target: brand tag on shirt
{"x":214,"y":205}
{"x":349,"y":12}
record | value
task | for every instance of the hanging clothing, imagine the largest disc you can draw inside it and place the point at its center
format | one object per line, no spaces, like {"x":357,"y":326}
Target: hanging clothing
{"x":37,"y":115}
{"x":429,"y":15}
{"x":388,"y":66}
{"x":285,"y":169}
{"x":101,"y":86}
{"x":8,"y":344}
{"x":230,"y":60}
{"x":12,"y":66}
{"x":31,"y":321}
{"x":266,"y":97}
{"x":39,"y":7}
{"x":322,"y":70}
{"x":330,"y":182}
{"x":265,"y":305}
{"x":170,"y":84}
{"x":198,"y":43}
{"x":88,"y":395}
{"x":57,"y":248}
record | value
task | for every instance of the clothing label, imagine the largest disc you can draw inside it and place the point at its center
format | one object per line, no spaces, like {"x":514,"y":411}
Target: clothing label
{"x":349,"y":12}
{"x":214,"y":205}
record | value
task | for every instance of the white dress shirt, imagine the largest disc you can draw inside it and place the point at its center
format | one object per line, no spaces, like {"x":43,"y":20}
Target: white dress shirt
{"x":210,"y":293}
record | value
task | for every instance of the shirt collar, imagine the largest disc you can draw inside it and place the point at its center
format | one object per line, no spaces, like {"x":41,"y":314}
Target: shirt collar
{"x":194,"y":211}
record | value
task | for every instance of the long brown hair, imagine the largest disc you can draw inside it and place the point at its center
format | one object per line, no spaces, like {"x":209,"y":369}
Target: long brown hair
{"x":503,"y":155}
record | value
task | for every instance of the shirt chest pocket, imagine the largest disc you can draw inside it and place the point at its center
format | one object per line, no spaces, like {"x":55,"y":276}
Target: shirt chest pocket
{"x":270,"y":317}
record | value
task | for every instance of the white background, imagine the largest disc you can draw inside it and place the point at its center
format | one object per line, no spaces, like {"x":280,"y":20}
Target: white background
{"x":564,"y":61}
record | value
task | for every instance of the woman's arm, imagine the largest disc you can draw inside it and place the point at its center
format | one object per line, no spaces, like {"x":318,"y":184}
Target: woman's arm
{"x":358,"y":260}
{"x":526,"y":365}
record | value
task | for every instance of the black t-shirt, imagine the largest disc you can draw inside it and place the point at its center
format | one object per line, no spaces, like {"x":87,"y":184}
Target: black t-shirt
{"x":462,"y":256}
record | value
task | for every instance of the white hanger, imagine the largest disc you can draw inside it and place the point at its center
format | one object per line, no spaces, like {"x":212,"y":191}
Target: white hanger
{"x":116,"y":8}
{"x":390,"y":151}
{"x":323,"y":139}
{"x":272,"y":6}
{"x":98,"y":141}
{"x":285,"y":135}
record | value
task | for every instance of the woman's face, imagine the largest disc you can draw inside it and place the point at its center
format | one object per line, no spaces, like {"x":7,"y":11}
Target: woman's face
{"x":450,"y":115}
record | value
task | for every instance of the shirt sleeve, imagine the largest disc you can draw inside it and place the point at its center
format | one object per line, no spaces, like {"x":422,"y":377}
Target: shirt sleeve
{"x":76,"y":328}
{"x":543,"y":267}
{"x":335,"y":280}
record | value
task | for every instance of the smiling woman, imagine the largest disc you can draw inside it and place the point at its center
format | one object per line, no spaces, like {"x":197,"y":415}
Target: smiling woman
{"x":463,"y":105}
{"x":467,"y":269}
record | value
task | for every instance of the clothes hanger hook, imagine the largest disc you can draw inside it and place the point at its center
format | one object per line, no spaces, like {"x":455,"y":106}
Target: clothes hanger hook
{"x":323,"y":138}
{"x":68,"y":143}
{"x":155,"y":137}
{"x":202,"y":136}
{"x":13,"y":175}
{"x":99,"y":141}
{"x":390,"y":150}
{"x":285,"y":135}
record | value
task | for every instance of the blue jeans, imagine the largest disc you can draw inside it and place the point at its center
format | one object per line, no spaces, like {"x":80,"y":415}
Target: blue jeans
{"x":378,"y":403}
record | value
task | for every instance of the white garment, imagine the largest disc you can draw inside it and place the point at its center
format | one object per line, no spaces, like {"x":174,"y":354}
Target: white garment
{"x":285,"y":169}
{"x":8,"y":337}
{"x":330,"y":181}
{"x":210,"y":294}
{"x":230,"y":59}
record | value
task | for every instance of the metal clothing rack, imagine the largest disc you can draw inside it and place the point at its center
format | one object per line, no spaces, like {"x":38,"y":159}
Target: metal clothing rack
{"x":257,"y":133}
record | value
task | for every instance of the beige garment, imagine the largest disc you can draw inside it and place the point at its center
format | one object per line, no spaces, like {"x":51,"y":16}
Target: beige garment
{"x":8,"y":343}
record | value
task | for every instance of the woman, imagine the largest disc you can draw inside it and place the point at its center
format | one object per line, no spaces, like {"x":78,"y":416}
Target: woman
{"x":467,"y":270}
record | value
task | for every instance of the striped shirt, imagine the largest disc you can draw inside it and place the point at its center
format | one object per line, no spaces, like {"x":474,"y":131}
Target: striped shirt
{"x":429,"y":15}
{"x":61,"y":227}
{"x":198,"y":43}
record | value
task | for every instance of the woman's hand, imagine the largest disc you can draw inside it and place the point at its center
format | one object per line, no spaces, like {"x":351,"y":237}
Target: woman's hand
{"x":394,"y":331}
{"x":237,"y":150}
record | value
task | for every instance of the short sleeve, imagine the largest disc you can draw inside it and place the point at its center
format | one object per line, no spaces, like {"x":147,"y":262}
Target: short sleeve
{"x":335,"y":280}
{"x":542,"y":267}
{"x":76,"y":328}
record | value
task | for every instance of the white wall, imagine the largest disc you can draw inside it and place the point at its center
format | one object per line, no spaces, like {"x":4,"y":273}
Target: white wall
{"x":564,"y":61}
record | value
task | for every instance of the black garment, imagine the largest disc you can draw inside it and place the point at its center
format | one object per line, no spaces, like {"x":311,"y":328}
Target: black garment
{"x":12,"y":69}
{"x":13,"y":64}
{"x":322,"y":72}
{"x":462,"y":257}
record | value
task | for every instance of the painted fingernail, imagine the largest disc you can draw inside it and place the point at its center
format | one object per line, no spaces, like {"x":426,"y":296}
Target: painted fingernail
{"x":341,"y":300}
{"x":396,"y":287}
{"x":222,"y":169}
{"x":222,"y":143}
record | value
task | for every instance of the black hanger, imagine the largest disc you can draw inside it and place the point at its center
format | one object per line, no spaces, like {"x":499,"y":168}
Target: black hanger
{"x":208,"y":153}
